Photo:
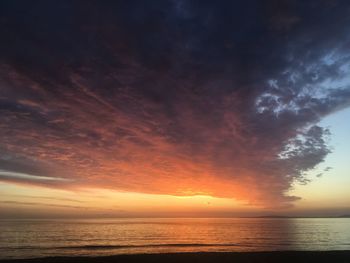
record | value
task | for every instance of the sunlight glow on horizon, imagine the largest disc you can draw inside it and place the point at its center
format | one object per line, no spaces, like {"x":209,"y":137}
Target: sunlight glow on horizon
{"x":327,"y":191}
{"x":330,"y":190}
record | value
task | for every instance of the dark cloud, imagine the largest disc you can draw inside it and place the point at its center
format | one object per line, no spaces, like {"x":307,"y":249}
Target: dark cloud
{"x":172,"y":97}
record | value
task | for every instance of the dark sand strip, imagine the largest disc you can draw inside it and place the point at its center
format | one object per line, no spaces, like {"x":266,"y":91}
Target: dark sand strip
{"x":234,"y":257}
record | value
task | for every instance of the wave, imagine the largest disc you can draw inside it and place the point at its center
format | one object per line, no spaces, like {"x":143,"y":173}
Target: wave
{"x":146,"y":246}
{"x":103,"y":247}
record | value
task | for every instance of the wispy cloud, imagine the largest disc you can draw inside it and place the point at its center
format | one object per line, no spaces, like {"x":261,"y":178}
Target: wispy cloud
{"x":46,"y":198}
{"x":42,"y":204}
{"x":30,"y":177}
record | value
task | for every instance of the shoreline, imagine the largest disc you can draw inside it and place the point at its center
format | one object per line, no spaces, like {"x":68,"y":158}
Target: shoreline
{"x":336,"y":256}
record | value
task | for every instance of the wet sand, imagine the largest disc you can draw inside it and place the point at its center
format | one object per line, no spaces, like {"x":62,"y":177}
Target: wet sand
{"x":236,"y":257}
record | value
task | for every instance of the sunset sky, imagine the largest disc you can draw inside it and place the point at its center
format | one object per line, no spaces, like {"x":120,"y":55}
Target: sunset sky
{"x":174,"y":108}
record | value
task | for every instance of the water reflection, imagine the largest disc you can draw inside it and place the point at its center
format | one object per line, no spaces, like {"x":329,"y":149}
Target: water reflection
{"x":105,"y":237}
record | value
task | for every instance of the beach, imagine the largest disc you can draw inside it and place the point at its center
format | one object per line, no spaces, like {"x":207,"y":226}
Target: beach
{"x":237,"y":257}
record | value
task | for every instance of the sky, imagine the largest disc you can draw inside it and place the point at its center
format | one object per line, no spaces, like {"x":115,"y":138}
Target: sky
{"x":174,"y":108}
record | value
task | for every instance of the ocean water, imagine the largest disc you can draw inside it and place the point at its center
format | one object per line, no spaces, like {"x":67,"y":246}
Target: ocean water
{"x":40,"y":238}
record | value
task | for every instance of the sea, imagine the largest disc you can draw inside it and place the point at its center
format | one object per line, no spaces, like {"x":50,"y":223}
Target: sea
{"x":101,"y":237}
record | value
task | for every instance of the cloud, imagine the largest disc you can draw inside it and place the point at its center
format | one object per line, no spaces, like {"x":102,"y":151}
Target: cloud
{"x":22,"y":176}
{"x":47,"y":198}
{"x":42,"y":204}
{"x":219,"y":98}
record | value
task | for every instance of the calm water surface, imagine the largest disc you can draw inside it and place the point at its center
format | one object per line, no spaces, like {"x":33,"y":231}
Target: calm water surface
{"x":38,"y":238}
